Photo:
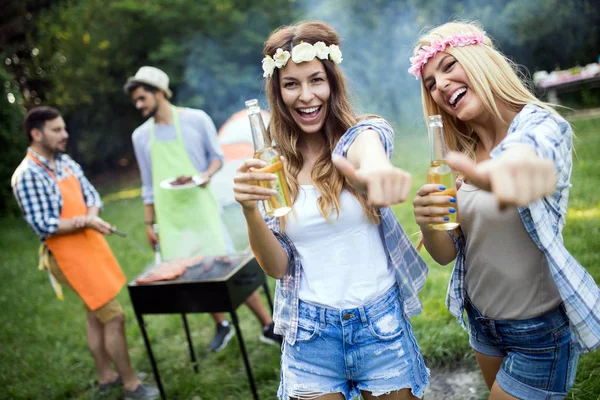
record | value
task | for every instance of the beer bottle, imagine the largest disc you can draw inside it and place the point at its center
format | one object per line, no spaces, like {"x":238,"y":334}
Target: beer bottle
{"x":440,"y":173}
{"x":279,"y":204}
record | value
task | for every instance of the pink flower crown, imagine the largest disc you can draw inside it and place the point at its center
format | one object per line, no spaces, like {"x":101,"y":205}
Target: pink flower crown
{"x":454,"y":40}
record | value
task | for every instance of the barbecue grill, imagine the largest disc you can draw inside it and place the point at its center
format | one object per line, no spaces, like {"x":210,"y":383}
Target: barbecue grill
{"x":211,"y":286}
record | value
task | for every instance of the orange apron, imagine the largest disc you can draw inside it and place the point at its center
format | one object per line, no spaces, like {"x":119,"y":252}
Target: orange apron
{"x":84,"y":256}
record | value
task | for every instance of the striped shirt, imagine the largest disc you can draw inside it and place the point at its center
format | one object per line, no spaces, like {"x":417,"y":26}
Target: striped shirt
{"x":38,"y":194}
{"x":410,"y":270}
{"x":552,"y":138}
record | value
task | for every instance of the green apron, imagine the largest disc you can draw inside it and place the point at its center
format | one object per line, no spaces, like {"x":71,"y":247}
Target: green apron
{"x":189,"y":222}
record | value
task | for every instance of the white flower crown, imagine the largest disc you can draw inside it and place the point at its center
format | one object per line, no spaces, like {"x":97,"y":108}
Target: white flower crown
{"x":301,"y":53}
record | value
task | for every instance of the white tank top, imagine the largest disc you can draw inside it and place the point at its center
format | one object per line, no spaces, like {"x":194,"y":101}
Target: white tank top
{"x":344,"y":263}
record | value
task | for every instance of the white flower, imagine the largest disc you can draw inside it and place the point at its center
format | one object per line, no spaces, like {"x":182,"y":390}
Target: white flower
{"x":303,"y":52}
{"x":335,"y":53}
{"x":268,"y":66}
{"x":281,"y":58}
{"x":322,"y":50}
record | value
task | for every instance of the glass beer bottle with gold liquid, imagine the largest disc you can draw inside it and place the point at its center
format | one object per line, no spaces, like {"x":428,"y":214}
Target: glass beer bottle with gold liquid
{"x":440,"y":173}
{"x":279,"y":204}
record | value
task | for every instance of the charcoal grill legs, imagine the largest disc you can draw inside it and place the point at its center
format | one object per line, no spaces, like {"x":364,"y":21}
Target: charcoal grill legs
{"x":189,"y":340}
{"x":238,"y":332}
{"x":152,"y":360}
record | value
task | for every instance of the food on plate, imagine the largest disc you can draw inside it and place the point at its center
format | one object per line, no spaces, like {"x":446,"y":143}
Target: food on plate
{"x":182,"y":180}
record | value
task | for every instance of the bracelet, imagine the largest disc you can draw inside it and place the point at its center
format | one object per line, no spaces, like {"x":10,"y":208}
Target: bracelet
{"x":149,"y":223}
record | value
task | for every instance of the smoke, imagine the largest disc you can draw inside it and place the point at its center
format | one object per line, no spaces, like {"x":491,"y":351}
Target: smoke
{"x":223,"y":69}
{"x":376,"y":46}
{"x":218,"y":81}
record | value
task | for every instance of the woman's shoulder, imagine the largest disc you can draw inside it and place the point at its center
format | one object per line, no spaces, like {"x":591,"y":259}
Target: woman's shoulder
{"x":371,"y":121}
{"x":366,"y":119}
{"x":374,"y":123}
{"x":533,"y":115}
{"x":535,"y":111}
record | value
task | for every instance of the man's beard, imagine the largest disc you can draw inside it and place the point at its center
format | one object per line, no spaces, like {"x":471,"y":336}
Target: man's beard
{"x":152,"y":112}
{"x":57,"y":149}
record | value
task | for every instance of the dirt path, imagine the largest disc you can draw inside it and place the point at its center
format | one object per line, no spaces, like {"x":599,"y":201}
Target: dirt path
{"x":460,"y":382}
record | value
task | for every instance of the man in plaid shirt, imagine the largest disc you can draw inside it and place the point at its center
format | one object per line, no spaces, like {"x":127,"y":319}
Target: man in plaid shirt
{"x":62,"y":207}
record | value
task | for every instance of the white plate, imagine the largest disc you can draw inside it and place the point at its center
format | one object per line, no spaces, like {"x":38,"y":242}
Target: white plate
{"x":196,"y":181}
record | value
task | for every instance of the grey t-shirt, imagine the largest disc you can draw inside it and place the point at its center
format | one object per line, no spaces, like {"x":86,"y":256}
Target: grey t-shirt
{"x":199,"y":136}
{"x":507,"y":275}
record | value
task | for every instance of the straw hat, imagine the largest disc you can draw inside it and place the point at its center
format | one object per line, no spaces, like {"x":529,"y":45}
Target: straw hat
{"x":150,"y":76}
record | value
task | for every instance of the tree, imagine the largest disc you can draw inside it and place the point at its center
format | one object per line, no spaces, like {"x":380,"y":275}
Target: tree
{"x":87,"y":49}
{"x":12,"y":138}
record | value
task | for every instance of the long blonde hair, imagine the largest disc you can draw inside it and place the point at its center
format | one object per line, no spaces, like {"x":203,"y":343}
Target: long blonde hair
{"x":340,"y":117}
{"x":493,"y":78}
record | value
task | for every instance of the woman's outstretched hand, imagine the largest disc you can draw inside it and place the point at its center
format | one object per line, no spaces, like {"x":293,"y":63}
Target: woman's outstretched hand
{"x":517,"y":177}
{"x":384,"y":185}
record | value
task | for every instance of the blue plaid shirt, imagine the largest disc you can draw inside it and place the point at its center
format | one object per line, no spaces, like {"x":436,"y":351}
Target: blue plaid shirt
{"x":410,"y":269}
{"x":38,"y":194}
{"x":552,"y":138}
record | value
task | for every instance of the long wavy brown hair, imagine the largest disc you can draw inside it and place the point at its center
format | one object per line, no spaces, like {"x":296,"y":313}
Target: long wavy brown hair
{"x":339,"y":118}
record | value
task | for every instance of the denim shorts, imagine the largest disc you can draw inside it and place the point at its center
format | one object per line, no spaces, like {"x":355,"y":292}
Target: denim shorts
{"x":540,"y":359}
{"x":370,"y":348}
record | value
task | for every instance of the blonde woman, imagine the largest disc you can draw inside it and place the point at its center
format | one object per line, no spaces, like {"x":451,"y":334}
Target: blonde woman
{"x":531,"y":307}
{"x":347,"y":276}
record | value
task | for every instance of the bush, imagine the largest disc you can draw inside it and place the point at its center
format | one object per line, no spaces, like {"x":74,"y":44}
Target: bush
{"x":12,"y":139}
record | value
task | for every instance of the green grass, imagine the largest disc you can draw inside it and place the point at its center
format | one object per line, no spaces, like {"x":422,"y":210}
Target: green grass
{"x":43,"y":352}
{"x":582,"y":234}
{"x":440,"y":337}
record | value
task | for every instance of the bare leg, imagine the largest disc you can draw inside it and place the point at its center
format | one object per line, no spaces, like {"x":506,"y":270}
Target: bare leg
{"x":404,"y":394}
{"x":116,"y":347}
{"x":489,"y":367}
{"x":498,"y":394}
{"x":254,"y":303}
{"x":218,"y":317}
{"x":95,"y":338}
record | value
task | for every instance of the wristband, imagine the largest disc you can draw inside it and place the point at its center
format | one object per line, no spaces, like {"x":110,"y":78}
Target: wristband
{"x":149,"y":223}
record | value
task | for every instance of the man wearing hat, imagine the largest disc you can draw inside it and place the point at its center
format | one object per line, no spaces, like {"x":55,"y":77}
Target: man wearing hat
{"x":181,"y":143}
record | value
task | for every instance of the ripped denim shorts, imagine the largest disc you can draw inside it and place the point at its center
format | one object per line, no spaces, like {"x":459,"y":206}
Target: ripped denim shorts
{"x":370,"y":348}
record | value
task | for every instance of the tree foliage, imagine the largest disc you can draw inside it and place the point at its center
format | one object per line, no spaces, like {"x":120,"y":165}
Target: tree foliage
{"x":76,"y":54}
{"x":85,"y":50}
{"x":12,"y":138}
